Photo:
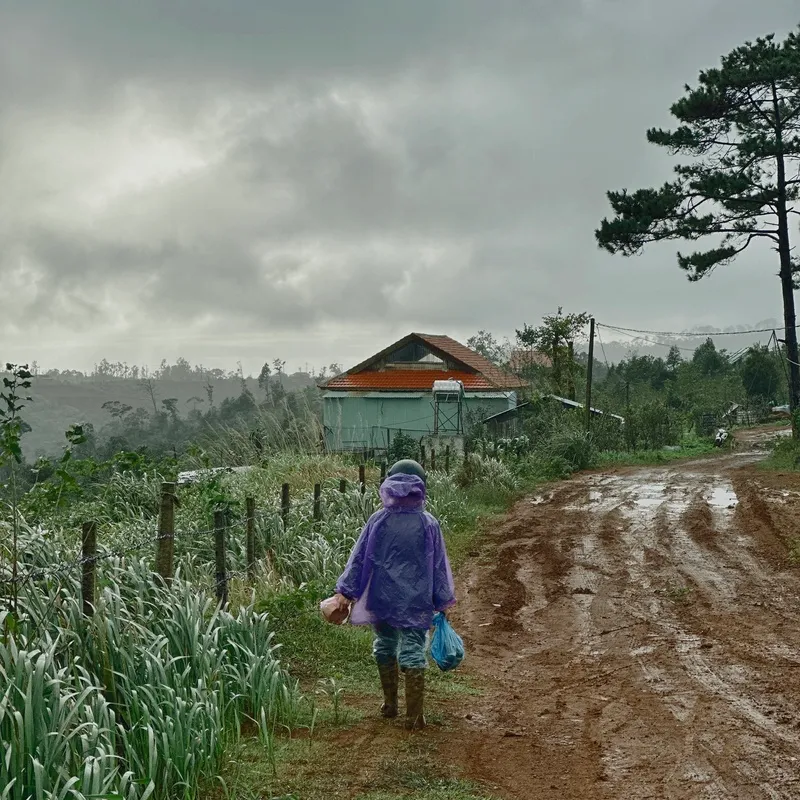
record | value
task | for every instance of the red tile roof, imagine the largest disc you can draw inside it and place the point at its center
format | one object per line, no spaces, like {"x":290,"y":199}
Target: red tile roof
{"x":406,"y":380}
{"x":472,"y":369}
{"x":498,"y":377}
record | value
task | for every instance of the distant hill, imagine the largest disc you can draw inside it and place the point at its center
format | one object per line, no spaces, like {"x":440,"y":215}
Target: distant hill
{"x":61,"y":401}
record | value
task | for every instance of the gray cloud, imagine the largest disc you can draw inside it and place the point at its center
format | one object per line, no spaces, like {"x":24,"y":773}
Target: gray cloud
{"x":226,"y":180}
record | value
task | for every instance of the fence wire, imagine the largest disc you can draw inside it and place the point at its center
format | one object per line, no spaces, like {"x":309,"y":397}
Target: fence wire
{"x":274,"y":514}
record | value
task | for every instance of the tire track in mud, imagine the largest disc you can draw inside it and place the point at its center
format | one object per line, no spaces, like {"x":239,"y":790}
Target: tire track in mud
{"x":637,"y":638}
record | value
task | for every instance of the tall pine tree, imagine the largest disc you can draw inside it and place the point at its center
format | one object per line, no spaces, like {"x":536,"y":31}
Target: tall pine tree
{"x":740,"y":132}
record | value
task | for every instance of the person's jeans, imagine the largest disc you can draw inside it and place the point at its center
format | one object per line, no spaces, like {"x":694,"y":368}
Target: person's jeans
{"x":404,"y":645}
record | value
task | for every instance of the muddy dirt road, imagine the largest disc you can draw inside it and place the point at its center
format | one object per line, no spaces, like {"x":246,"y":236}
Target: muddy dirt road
{"x":637,"y":634}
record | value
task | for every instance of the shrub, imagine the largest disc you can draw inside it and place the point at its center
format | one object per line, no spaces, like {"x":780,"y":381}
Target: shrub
{"x":476,"y":471}
{"x":652,"y":426}
{"x":402,"y":446}
{"x":574,"y":447}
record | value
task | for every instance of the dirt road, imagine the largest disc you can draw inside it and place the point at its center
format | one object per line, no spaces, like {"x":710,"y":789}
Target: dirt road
{"x":637,"y":635}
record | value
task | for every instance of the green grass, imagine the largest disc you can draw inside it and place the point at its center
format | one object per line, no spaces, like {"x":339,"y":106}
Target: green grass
{"x":312,"y":649}
{"x":421,"y":775}
{"x":439,"y":790}
{"x":322,"y":768}
{"x":679,"y":594}
{"x":785,"y":457}
{"x":690,"y":449}
{"x":794,"y":551}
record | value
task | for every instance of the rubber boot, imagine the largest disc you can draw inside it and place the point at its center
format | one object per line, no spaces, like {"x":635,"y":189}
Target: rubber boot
{"x":390,"y":677}
{"x":415,"y":698}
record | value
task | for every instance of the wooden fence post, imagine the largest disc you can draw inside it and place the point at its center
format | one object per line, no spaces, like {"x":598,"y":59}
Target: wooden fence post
{"x":221,"y":574}
{"x":285,"y":505}
{"x":447,"y":460}
{"x":343,"y":485}
{"x":433,"y":460}
{"x":165,"y":545}
{"x":422,"y":455}
{"x":317,"y":502}
{"x":250,"y":506}
{"x":88,"y":566}
{"x":383,"y":472}
{"x":362,"y":477}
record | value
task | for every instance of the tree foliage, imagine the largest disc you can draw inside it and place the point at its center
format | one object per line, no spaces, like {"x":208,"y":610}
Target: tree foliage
{"x":12,"y":425}
{"x":709,"y":360}
{"x":556,"y":338}
{"x":485,"y":343}
{"x":761,"y":373}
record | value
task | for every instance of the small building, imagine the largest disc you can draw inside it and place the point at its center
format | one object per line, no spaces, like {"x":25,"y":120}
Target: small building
{"x":527,"y":361}
{"x":509,"y":423}
{"x":425,"y":386}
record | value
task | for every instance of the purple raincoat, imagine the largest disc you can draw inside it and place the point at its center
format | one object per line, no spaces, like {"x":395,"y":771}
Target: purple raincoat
{"x":398,"y":571}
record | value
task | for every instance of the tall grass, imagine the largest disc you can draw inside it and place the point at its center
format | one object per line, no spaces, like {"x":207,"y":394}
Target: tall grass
{"x":141,"y":699}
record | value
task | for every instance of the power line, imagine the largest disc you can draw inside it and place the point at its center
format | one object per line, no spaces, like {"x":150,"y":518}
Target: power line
{"x":689,"y":334}
{"x":602,"y":347}
{"x":651,"y":341}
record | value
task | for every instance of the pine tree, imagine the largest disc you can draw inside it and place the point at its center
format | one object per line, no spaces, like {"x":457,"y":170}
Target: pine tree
{"x":740,"y":129}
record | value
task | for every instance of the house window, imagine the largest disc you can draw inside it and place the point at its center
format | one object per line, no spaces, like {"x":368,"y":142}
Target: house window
{"x":413,"y":353}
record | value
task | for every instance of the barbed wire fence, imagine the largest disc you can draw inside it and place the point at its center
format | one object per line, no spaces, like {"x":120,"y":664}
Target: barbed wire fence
{"x":159,"y":543}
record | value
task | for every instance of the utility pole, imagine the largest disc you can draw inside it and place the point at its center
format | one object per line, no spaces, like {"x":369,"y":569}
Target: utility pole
{"x":589,"y":370}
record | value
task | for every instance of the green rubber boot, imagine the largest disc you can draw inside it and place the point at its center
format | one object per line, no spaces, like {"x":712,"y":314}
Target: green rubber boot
{"x":390,"y":678}
{"x":415,"y":699}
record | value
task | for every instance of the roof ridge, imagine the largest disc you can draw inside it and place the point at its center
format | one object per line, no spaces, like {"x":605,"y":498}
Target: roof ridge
{"x":465,"y":357}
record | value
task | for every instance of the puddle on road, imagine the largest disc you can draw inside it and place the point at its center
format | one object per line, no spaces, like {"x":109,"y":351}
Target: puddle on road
{"x":650,"y":495}
{"x":541,"y":499}
{"x":722,"y":497}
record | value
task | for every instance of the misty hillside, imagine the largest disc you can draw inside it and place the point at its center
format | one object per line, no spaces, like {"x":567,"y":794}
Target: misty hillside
{"x":61,"y":401}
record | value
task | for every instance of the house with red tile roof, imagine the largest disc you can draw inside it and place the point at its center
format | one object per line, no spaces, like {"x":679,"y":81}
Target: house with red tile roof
{"x":393,"y":391}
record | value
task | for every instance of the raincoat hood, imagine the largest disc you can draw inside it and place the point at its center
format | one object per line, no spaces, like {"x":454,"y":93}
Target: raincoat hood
{"x":403,"y":492}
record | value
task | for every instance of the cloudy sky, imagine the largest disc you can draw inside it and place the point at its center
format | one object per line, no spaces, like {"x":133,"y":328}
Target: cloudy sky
{"x":310,"y":179}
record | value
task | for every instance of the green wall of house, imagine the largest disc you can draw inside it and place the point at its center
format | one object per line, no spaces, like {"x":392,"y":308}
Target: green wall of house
{"x":365,"y":420}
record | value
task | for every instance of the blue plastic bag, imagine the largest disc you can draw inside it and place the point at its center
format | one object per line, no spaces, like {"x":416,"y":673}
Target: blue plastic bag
{"x":447,"y":647}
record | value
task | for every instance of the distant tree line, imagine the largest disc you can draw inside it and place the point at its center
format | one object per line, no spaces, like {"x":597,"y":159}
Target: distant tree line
{"x":181,"y":370}
{"x":700,"y":382}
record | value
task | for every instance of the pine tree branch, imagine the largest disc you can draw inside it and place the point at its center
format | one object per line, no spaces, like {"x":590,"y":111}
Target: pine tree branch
{"x":750,"y":239}
{"x":794,"y":115}
{"x":756,"y":105}
{"x":724,"y":219}
{"x":752,"y":235}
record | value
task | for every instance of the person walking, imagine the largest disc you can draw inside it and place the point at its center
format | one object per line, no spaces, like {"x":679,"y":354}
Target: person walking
{"x":398,"y":575}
